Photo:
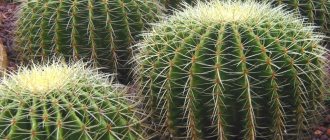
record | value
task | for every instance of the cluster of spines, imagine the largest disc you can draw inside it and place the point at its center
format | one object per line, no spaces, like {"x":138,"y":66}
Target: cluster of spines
{"x":67,"y":117}
{"x":316,"y":11}
{"x":244,"y":79}
{"x":171,"y":5}
{"x":85,"y":107}
{"x":100,"y":31}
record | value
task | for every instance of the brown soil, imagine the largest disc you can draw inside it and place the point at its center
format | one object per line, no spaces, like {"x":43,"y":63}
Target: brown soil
{"x":7,"y":27}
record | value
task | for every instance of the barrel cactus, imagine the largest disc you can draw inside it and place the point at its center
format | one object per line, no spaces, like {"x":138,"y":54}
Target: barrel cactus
{"x":60,"y":101}
{"x":100,"y":31}
{"x":232,"y":70}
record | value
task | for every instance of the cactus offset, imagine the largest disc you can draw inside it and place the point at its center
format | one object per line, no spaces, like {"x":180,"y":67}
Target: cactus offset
{"x":60,"y":101}
{"x":232,"y":70}
{"x":98,"y":31}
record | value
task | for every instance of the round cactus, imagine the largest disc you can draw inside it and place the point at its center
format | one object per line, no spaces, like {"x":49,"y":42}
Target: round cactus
{"x":60,"y":101}
{"x":99,"y":31}
{"x":232,"y":70}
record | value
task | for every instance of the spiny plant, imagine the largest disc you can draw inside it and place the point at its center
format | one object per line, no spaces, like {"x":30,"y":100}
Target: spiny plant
{"x":316,"y":11}
{"x":175,"y":4}
{"x":96,"y":30}
{"x":232,"y":70}
{"x":60,"y":101}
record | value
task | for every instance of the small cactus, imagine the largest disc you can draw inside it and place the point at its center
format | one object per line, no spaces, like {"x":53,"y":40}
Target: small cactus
{"x":232,"y":70}
{"x":59,"y":101}
{"x":100,"y":31}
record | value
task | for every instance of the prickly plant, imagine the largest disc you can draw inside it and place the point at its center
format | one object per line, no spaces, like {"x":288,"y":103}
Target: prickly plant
{"x":176,"y":4}
{"x":232,"y":70}
{"x":316,"y":11}
{"x":60,"y":101}
{"x":100,"y":31}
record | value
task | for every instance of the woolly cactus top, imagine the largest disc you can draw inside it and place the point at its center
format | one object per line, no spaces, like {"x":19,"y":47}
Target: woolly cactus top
{"x":231,"y":11}
{"x":44,"y":79}
{"x":54,"y":77}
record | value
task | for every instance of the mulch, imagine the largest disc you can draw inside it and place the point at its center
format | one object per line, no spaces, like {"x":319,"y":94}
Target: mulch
{"x":7,"y":27}
{"x":321,"y":131}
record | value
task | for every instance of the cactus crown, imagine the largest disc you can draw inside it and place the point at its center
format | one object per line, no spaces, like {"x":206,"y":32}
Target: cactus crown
{"x":228,"y":11}
{"x":232,"y":70}
{"x":44,"y":79}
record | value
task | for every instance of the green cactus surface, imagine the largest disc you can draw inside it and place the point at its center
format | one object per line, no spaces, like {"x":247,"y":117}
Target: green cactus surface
{"x":100,"y":31}
{"x":232,"y":70}
{"x":65,"y":102}
{"x":316,"y":11}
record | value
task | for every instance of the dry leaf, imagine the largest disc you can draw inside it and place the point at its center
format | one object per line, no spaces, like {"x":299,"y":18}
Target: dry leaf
{"x":3,"y":58}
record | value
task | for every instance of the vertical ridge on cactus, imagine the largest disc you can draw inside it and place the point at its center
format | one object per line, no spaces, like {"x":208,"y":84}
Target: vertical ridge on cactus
{"x":60,"y":101}
{"x":316,"y":11}
{"x":100,"y":31}
{"x":231,"y":70}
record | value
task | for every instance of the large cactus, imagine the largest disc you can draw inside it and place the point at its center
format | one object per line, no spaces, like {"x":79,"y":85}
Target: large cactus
{"x":232,"y":70}
{"x":65,"y":102}
{"x":98,"y":30}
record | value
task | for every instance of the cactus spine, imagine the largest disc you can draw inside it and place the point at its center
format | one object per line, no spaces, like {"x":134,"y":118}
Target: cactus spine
{"x":61,"y":101}
{"x":232,"y":70}
{"x":100,"y":31}
{"x":316,"y":11}
{"x":175,"y":4}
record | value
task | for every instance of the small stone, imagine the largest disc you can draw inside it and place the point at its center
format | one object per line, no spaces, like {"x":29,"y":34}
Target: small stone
{"x":318,"y":133}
